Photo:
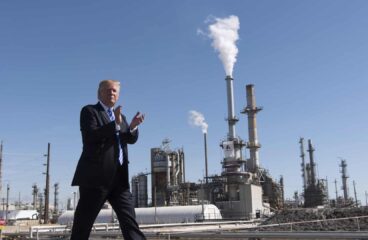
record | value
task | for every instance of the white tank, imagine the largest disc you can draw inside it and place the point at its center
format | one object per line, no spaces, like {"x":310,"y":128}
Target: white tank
{"x":177,"y":214}
{"x":160,"y":215}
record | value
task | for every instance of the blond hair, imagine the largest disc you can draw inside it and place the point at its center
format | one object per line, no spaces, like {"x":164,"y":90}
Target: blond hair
{"x":103,"y":83}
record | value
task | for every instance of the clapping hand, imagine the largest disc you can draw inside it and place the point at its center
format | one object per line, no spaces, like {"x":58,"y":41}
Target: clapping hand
{"x":118,"y":117}
{"x":137,"y":119}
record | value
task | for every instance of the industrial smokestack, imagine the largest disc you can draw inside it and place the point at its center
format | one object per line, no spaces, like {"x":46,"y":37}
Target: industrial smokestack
{"x":205,"y":155}
{"x":197,"y":119}
{"x":231,"y":119}
{"x":253,"y":145}
{"x":312,"y":163}
{"x":224,"y":33}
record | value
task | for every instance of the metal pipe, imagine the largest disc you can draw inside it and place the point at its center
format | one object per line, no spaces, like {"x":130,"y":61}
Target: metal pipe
{"x":177,"y":167}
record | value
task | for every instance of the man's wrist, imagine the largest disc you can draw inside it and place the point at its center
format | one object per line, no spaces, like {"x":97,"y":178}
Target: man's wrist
{"x":134,"y":129}
{"x":117,"y":127}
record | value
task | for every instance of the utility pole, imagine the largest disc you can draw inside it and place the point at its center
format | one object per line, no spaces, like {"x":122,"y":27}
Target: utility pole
{"x":47,"y":190}
{"x":366,"y":198}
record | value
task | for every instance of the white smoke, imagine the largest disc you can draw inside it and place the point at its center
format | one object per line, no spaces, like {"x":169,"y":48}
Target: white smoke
{"x":224,"y":33}
{"x":197,"y":119}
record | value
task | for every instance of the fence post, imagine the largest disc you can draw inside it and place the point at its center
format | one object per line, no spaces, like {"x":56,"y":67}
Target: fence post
{"x":357,"y":220}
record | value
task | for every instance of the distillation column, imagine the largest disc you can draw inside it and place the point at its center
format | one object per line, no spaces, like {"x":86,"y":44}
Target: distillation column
{"x":312,"y":163}
{"x":302,"y":155}
{"x":344,"y":177}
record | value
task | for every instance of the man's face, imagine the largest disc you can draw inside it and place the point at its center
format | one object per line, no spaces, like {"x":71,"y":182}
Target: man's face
{"x":109,"y":94}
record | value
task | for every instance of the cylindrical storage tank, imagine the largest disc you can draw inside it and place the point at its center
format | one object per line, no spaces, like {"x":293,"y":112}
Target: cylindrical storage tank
{"x":173,"y":214}
{"x":177,"y":214}
{"x":104,"y":216}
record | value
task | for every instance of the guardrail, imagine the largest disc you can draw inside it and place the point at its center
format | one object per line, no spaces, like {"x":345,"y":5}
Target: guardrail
{"x":65,"y":229}
{"x":113,"y":229}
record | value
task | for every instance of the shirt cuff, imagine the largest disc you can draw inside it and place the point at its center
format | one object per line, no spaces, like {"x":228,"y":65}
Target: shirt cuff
{"x":134,"y":129}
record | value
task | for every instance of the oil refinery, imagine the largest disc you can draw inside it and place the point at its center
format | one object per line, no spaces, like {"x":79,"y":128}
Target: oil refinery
{"x":243,"y":190}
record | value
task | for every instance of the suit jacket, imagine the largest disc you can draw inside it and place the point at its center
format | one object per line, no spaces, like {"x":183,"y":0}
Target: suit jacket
{"x":99,"y":162}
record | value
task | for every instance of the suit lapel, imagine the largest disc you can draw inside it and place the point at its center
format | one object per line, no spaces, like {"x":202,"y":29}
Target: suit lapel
{"x":102,"y":113}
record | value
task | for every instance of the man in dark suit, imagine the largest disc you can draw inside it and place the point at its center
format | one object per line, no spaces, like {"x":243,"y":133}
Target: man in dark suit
{"x":102,"y":170}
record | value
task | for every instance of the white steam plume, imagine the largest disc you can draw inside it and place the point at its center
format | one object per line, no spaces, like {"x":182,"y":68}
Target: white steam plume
{"x":224,"y":33}
{"x":197,"y":119}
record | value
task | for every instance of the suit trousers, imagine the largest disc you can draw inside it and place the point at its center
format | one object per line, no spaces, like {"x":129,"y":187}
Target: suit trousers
{"x":90,"y":203}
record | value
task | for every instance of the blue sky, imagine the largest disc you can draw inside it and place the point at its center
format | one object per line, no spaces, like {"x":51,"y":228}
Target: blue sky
{"x":307,"y":59}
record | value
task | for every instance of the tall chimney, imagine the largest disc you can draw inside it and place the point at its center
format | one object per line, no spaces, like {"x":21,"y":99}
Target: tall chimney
{"x":312,"y":164}
{"x":231,"y":119}
{"x":253,"y":145}
{"x":205,"y":156}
